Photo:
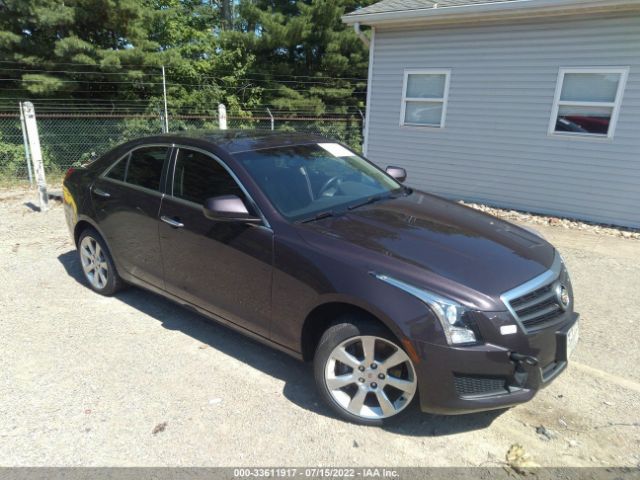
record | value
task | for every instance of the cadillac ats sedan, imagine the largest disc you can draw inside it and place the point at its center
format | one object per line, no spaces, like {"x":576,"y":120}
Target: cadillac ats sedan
{"x":396,"y":296}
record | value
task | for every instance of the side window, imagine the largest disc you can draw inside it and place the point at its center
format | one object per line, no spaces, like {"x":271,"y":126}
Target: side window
{"x":198,"y":177}
{"x":145,"y":167}
{"x":118,"y":171}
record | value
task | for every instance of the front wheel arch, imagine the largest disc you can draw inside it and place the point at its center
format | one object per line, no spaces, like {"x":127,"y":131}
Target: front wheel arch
{"x":323,"y":316}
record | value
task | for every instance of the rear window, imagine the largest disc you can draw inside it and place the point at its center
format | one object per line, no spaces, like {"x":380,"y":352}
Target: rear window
{"x":118,"y":171}
{"x":145,"y":167}
{"x":142,"y":167}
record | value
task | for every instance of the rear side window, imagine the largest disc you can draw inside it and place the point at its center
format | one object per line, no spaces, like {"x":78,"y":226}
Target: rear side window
{"x":118,"y":171}
{"x":145,"y":167}
{"x":198,"y":177}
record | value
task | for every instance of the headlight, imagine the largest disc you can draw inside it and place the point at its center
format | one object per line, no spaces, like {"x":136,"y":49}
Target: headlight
{"x":449,"y":313}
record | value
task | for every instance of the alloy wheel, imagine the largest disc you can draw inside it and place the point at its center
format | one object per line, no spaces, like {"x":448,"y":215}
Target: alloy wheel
{"x":370,"y":377}
{"x":94,"y":262}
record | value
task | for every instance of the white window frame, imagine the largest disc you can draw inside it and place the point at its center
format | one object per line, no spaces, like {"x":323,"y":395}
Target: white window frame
{"x":615,"y":105}
{"x":444,"y":100}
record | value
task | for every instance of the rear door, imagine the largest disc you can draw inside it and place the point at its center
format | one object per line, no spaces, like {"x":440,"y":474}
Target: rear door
{"x":223,"y":267}
{"x":127,"y":199}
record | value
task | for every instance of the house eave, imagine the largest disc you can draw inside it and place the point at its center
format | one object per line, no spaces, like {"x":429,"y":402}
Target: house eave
{"x":492,"y":12}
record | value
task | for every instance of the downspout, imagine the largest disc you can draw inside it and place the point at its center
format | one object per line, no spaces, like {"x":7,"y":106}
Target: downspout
{"x":370,"y":44}
{"x":363,"y":38}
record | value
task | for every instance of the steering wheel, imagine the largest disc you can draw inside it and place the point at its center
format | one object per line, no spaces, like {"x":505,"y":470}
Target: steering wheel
{"x":329,"y":183}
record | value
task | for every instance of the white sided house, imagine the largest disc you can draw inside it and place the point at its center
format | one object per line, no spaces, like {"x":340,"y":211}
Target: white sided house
{"x":525,"y":104}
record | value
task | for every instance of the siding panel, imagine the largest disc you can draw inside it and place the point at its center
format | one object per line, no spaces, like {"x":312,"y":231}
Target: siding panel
{"x":494,"y":147}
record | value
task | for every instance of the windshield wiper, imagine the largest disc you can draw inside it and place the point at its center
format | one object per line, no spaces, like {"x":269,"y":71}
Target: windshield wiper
{"x":372,"y":199}
{"x":318,"y":216}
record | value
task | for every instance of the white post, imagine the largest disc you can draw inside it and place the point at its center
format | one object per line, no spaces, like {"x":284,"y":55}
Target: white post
{"x":271,"y":117}
{"x":25,"y":141}
{"x":222,"y":116}
{"x":36,"y":154}
{"x":164,"y":94}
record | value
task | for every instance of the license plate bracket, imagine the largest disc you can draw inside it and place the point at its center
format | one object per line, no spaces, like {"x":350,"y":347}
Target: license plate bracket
{"x":573,"y":335}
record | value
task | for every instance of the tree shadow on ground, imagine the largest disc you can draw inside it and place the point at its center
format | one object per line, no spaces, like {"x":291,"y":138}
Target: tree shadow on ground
{"x":297,"y":376}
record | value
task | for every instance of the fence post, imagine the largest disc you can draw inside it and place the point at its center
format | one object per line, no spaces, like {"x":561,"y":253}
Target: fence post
{"x":164,"y":95}
{"x":25,"y":141}
{"x":271,"y":117}
{"x":36,"y":154}
{"x":162,"y":124}
{"x":364,"y":124}
{"x":222,"y":116}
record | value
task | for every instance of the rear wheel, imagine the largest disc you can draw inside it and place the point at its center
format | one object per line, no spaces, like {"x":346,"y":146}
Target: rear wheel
{"x":97,"y":265}
{"x":363,"y":373}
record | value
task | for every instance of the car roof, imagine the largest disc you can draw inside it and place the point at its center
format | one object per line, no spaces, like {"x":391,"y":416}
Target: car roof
{"x":235,"y":141}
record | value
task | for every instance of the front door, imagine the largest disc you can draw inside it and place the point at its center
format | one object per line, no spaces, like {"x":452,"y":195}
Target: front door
{"x":223,"y":267}
{"x":127,"y":201}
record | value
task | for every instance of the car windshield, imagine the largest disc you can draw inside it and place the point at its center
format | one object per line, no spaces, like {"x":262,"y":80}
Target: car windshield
{"x":310,"y":181}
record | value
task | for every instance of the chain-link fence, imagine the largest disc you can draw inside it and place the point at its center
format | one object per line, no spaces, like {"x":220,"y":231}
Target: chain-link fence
{"x":70,"y":138}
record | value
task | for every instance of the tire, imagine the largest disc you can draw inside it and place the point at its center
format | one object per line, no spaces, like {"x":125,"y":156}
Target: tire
{"x":370,"y":396}
{"x":98,"y":268}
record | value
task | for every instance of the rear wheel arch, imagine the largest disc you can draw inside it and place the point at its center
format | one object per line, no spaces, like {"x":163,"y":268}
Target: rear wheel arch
{"x":80,"y":227}
{"x":325,"y":315}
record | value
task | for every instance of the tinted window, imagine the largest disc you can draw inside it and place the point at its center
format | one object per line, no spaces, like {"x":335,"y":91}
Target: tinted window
{"x":145,"y":167}
{"x":304,"y":180}
{"x":118,"y":171}
{"x":198,"y":177}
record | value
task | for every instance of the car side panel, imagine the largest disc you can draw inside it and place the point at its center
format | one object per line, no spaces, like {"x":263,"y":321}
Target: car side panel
{"x":129,"y":220}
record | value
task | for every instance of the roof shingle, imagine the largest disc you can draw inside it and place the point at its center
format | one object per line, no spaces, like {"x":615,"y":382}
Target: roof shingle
{"x":386,"y":6}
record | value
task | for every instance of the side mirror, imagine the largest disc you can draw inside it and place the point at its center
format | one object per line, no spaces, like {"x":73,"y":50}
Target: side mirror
{"x":400,"y":174}
{"x":228,"y":208}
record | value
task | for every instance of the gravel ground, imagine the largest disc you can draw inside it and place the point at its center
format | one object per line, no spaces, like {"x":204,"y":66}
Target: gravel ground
{"x":136,"y":380}
{"x":534,"y":219}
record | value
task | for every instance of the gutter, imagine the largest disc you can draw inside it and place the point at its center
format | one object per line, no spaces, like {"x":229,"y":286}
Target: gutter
{"x":490,"y":11}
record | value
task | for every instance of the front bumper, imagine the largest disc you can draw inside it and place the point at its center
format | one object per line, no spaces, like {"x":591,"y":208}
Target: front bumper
{"x":455,"y":380}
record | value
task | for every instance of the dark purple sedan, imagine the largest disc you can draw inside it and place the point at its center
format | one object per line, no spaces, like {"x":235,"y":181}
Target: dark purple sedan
{"x":397,"y":296}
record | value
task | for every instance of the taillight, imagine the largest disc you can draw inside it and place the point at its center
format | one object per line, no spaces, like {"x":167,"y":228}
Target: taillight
{"x":69,"y":172}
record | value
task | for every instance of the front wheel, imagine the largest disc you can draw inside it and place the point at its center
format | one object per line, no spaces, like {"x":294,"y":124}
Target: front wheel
{"x":363,"y":373}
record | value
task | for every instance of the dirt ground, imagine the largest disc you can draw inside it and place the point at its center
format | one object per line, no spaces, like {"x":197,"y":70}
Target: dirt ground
{"x":137,"y":380}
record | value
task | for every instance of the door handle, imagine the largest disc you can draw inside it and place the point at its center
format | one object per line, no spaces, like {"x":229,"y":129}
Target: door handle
{"x":101,"y":193}
{"x":172,"y":222}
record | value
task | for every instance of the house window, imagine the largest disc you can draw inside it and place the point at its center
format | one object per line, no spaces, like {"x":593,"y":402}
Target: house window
{"x":424,"y":98}
{"x":587,"y":101}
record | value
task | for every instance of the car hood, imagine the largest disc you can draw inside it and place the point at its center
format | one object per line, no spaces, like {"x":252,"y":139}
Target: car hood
{"x":436,"y":244}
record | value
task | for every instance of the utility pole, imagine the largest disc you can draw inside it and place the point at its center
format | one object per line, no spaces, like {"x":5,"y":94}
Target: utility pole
{"x":164,"y":94}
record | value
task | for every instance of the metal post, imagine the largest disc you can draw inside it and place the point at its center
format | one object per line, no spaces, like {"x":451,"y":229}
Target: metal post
{"x":364,"y":122}
{"x":271,"y":117}
{"x":222,"y":116}
{"x":25,"y":140}
{"x":36,"y":153}
{"x":164,"y":94}
{"x":162,"y":125}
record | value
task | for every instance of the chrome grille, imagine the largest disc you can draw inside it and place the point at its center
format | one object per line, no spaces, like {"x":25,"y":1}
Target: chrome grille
{"x":535,"y":304}
{"x":535,"y":309}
